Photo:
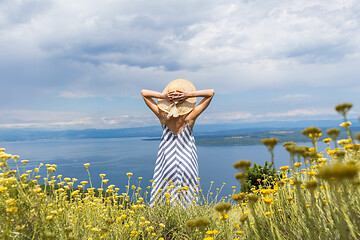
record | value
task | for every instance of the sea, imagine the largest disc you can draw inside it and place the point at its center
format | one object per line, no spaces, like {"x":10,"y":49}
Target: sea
{"x":117,"y":156}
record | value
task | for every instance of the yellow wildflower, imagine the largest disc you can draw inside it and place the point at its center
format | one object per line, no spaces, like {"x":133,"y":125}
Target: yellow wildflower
{"x":345,"y":124}
{"x":96,"y":229}
{"x":208,"y":238}
{"x":211,"y":233}
{"x":83,"y":182}
{"x":297,"y":164}
{"x":283,"y":168}
{"x":12,"y":210}
{"x":224,"y":217}
{"x":267,"y":200}
{"x":3,"y":189}
{"x":10,"y":202}
{"x":223,"y":207}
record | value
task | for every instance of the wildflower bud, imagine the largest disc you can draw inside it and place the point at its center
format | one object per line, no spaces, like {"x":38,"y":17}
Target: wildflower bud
{"x":198,"y":222}
{"x":86,"y":165}
{"x":20,"y":228}
{"x":252,"y":197}
{"x":343,"y":108}
{"x":311,"y":185}
{"x":270,"y":142}
{"x":243,"y":218}
{"x":242,"y":164}
{"x":223,"y":207}
{"x":300,"y":150}
{"x":338,"y":171}
{"x":309,"y":154}
{"x":340,"y":154}
{"x":241,"y":175}
{"x":289,"y":146}
{"x":333,"y":133}
{"x":358,"y":136}
{"x":238,"y":197}
{"x":312,"y":132}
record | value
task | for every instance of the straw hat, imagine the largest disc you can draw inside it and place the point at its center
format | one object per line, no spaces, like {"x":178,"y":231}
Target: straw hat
{"x":176,"y":109}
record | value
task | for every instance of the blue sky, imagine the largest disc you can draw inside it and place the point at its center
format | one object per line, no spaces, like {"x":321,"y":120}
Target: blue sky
{"x":81,"y":64}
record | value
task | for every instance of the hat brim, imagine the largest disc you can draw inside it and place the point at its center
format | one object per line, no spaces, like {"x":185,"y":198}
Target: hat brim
{"x":184,"y":107}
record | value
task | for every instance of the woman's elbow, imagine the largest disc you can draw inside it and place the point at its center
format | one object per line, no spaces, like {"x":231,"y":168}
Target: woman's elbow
{"x":212,"y":92}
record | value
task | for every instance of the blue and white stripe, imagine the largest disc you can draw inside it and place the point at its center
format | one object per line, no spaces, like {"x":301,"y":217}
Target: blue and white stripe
{"x":176,"y":169}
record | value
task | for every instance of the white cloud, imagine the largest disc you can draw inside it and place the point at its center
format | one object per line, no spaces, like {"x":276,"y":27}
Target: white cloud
{"x":294,"y":114}
{"x":84,"y":48}
{"x":302,"y":112}
{"x":70,"y":120}
{"x":69,"y":94}
{"x":297,"y":97}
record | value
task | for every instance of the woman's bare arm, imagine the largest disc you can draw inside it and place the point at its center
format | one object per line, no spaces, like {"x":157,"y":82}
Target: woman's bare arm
{"x":148,"y":96}
{"x":204,"y":103}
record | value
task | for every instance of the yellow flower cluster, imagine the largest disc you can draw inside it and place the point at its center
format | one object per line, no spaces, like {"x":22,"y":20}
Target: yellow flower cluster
{"x":318,"y":192}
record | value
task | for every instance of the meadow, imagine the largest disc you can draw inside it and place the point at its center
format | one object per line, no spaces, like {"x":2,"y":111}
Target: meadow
{"x":315,"y":196}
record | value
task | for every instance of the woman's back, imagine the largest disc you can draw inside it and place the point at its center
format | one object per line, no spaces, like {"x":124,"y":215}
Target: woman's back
{"x":176,"y":125}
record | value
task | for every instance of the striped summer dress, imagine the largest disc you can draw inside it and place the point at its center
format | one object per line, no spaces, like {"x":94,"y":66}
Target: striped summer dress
{"x":176,"y":169}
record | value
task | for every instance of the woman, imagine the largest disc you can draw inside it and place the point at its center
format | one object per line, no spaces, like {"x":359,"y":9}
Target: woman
{"x":176,"y":169}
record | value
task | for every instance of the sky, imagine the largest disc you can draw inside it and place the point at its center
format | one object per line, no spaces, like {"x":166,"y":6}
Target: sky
{"x":82,"y":64}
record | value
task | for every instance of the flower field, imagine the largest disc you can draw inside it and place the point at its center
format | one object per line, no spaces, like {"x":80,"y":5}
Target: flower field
{"x":317,"y":196}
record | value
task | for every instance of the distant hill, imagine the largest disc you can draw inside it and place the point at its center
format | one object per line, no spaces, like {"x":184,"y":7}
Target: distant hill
{"x":207,"y":134}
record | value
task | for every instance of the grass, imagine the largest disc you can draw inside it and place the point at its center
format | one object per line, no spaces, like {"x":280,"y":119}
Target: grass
{"x":317,"y":197}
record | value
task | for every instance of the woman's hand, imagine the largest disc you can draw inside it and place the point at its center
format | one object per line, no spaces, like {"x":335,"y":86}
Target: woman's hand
{"x":179,"y":96}
{"x":168,"y":96}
